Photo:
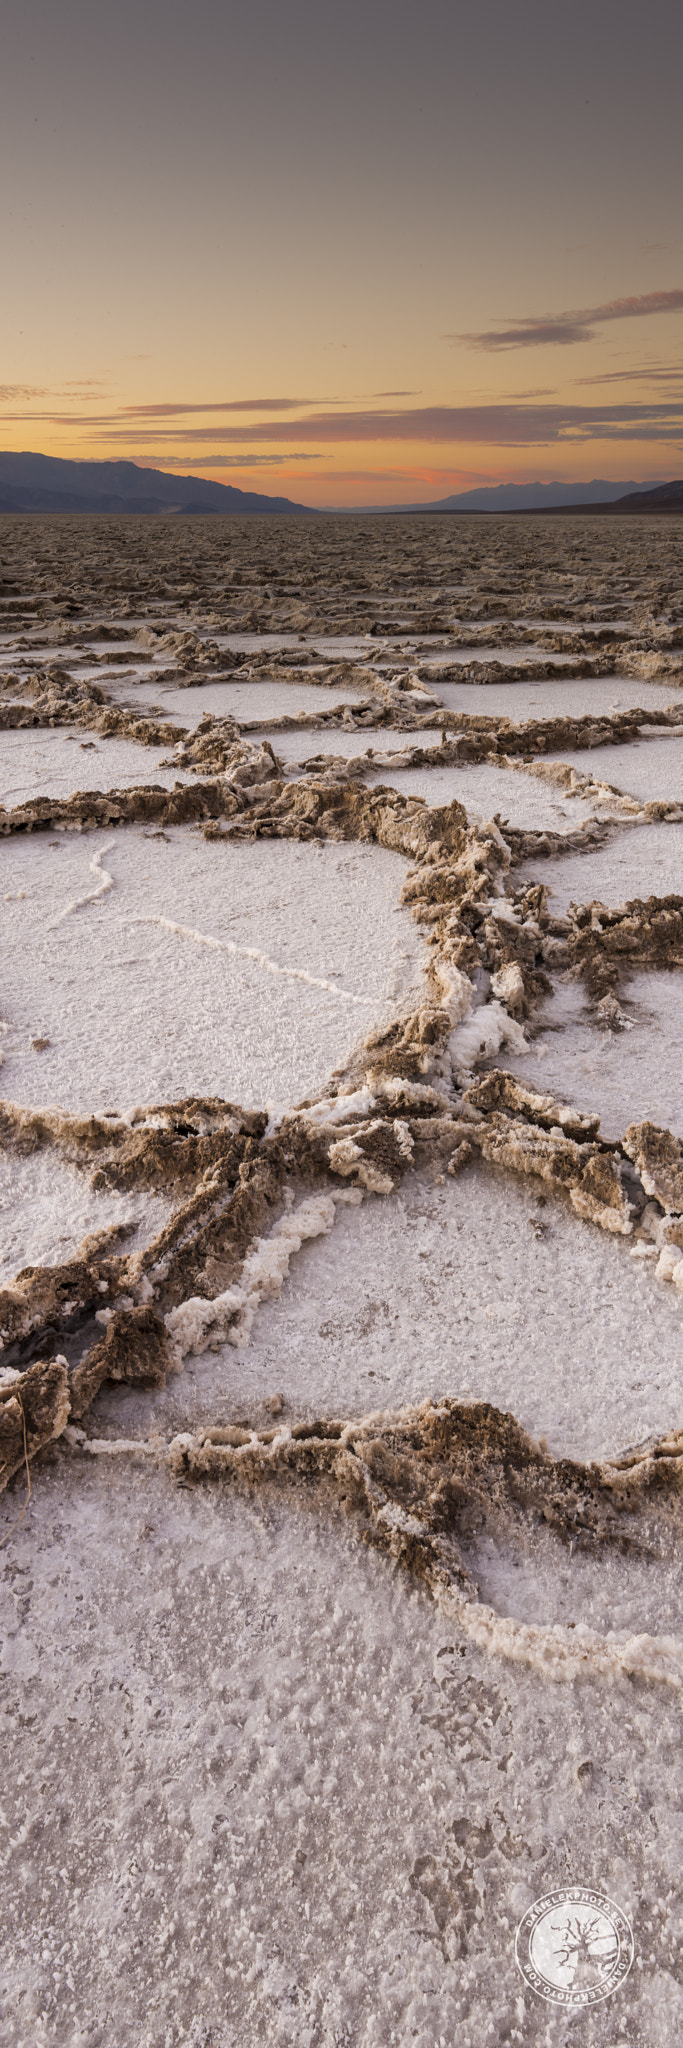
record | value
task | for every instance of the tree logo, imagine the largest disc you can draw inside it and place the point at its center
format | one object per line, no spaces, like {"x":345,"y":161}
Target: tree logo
{"x":574,"y":1947}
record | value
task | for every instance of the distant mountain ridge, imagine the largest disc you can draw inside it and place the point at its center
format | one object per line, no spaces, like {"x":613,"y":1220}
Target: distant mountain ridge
{"x":662,"y":498}
{"x":51,"y":483}
{"x":527,"y":497}
{"x":32,"y":482}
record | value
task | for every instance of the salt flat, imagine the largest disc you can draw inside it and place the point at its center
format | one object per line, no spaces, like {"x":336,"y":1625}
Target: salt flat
{"x":160,"y":966}
{"x":306,"y":1803}
{"x":642,"y":860}
{"x":305,"y":1699}
{"x":470,"y":1289}
{"x":628,"y":1075}
{"x":55,"y":763}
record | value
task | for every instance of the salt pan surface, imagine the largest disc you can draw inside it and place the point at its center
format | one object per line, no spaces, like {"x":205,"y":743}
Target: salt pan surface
{"x":47,"y":1208}
{"x":308,"y":1807}
{"x":554,"y":699}
{"x":626,"y":1076}
{"x":472,"y":1288}
{"x":640,"y":861}
{"x":58,"y":762}
{"x":649,"y":768}
{"x":486,"y":790}
{"x":138,"y":1008}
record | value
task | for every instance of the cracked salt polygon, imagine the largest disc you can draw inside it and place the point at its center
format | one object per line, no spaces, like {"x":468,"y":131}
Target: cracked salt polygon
{"x":486,"y":790}
{"x":630,"y":1075}
{"x":638,"y":861}
{"x":651,"y":769}
{"x":245,"y":971}
{"x":446,"y":1291}
{"x":554,"y":698}
{"x":58,"y":762}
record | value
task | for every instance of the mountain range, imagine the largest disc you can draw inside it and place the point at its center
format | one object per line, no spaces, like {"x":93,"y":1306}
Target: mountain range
{"x":525,"y":497}
{"x":50,"y":483}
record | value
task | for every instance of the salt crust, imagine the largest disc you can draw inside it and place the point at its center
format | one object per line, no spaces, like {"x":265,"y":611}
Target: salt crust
{"x":485,"y":790}
{"x":309,"y":1807}
{"x":519,"y":700}
{"x":136,"y":1012}
{"x":195,"y":1322}
{"x":56,"y":762}
{"x":47,"y":1208}
{"x":650,"y":768}
{"x":469,"y":1288}
{"x":632,"y":1074}
{"x":244,"y":699}
{"x":408,"y":1988}
{"x":639,"y":861}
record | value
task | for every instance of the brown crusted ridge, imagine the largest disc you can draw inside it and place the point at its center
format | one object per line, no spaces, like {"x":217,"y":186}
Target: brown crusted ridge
{"x":499,"y":1090}
{"x":57,"y":699}
{"x":659,"y":1159}
{"x":34,"y":1409}
{"x":200,"y":1249}
{"x":475,"y":736}
{"x":606,"y":944}
{"x":147,"y":804}
{"x":134,"y":1349}
{"x":528,"y":845}
{"x":334,"y":810}
{"x":161,"y":1146}
{"x":304,"y":810}
{"x":217,"y":744}
{"x":423,"y":1482}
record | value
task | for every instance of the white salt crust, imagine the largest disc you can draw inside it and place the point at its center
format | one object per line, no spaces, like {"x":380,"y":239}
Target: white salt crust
{"x":161,"y":966}
{"x":486,"y":790}
{"x":449,"y":1290}
{"x":247,"y":700}
{"x":626,"y":1076}
{"x":309,"y":1808}
{"x":57,"y":762}
{"x":554,"y":698}
{"x":47,"y":1208}
{"x":640,"y":861}
{"x":648,"y":768}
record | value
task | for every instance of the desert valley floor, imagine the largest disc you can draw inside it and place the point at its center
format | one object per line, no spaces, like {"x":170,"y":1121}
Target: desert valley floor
{"x":341,"y":1247}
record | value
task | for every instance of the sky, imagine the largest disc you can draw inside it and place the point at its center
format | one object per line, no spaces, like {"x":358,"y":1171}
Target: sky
{"x":357,"y":254}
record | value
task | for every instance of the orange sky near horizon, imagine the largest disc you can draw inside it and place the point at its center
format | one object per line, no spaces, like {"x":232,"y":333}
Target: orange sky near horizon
{"x":352,"y":260}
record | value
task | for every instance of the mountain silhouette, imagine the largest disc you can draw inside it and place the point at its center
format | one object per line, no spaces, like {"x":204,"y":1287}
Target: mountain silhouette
{"x":51,"y":483}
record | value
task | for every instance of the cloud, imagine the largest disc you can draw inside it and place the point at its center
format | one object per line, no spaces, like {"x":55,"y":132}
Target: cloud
{"x":564,"y":328}
{"x":162,"y":460}
{"x":500,"y":424}
{"x":174,"y":408}
{"x":640,"y":373}
{"x":12,"y":394}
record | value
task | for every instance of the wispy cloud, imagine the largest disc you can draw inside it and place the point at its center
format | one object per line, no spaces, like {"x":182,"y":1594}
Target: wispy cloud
{"x":563,"y":328}
{"x":174,"y":408}
{"x":161,"y":459}
{"x":499,"y":425}
{"x":670,"y":374}
{"x":502,"y":424}
{"x":17,"y":394}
